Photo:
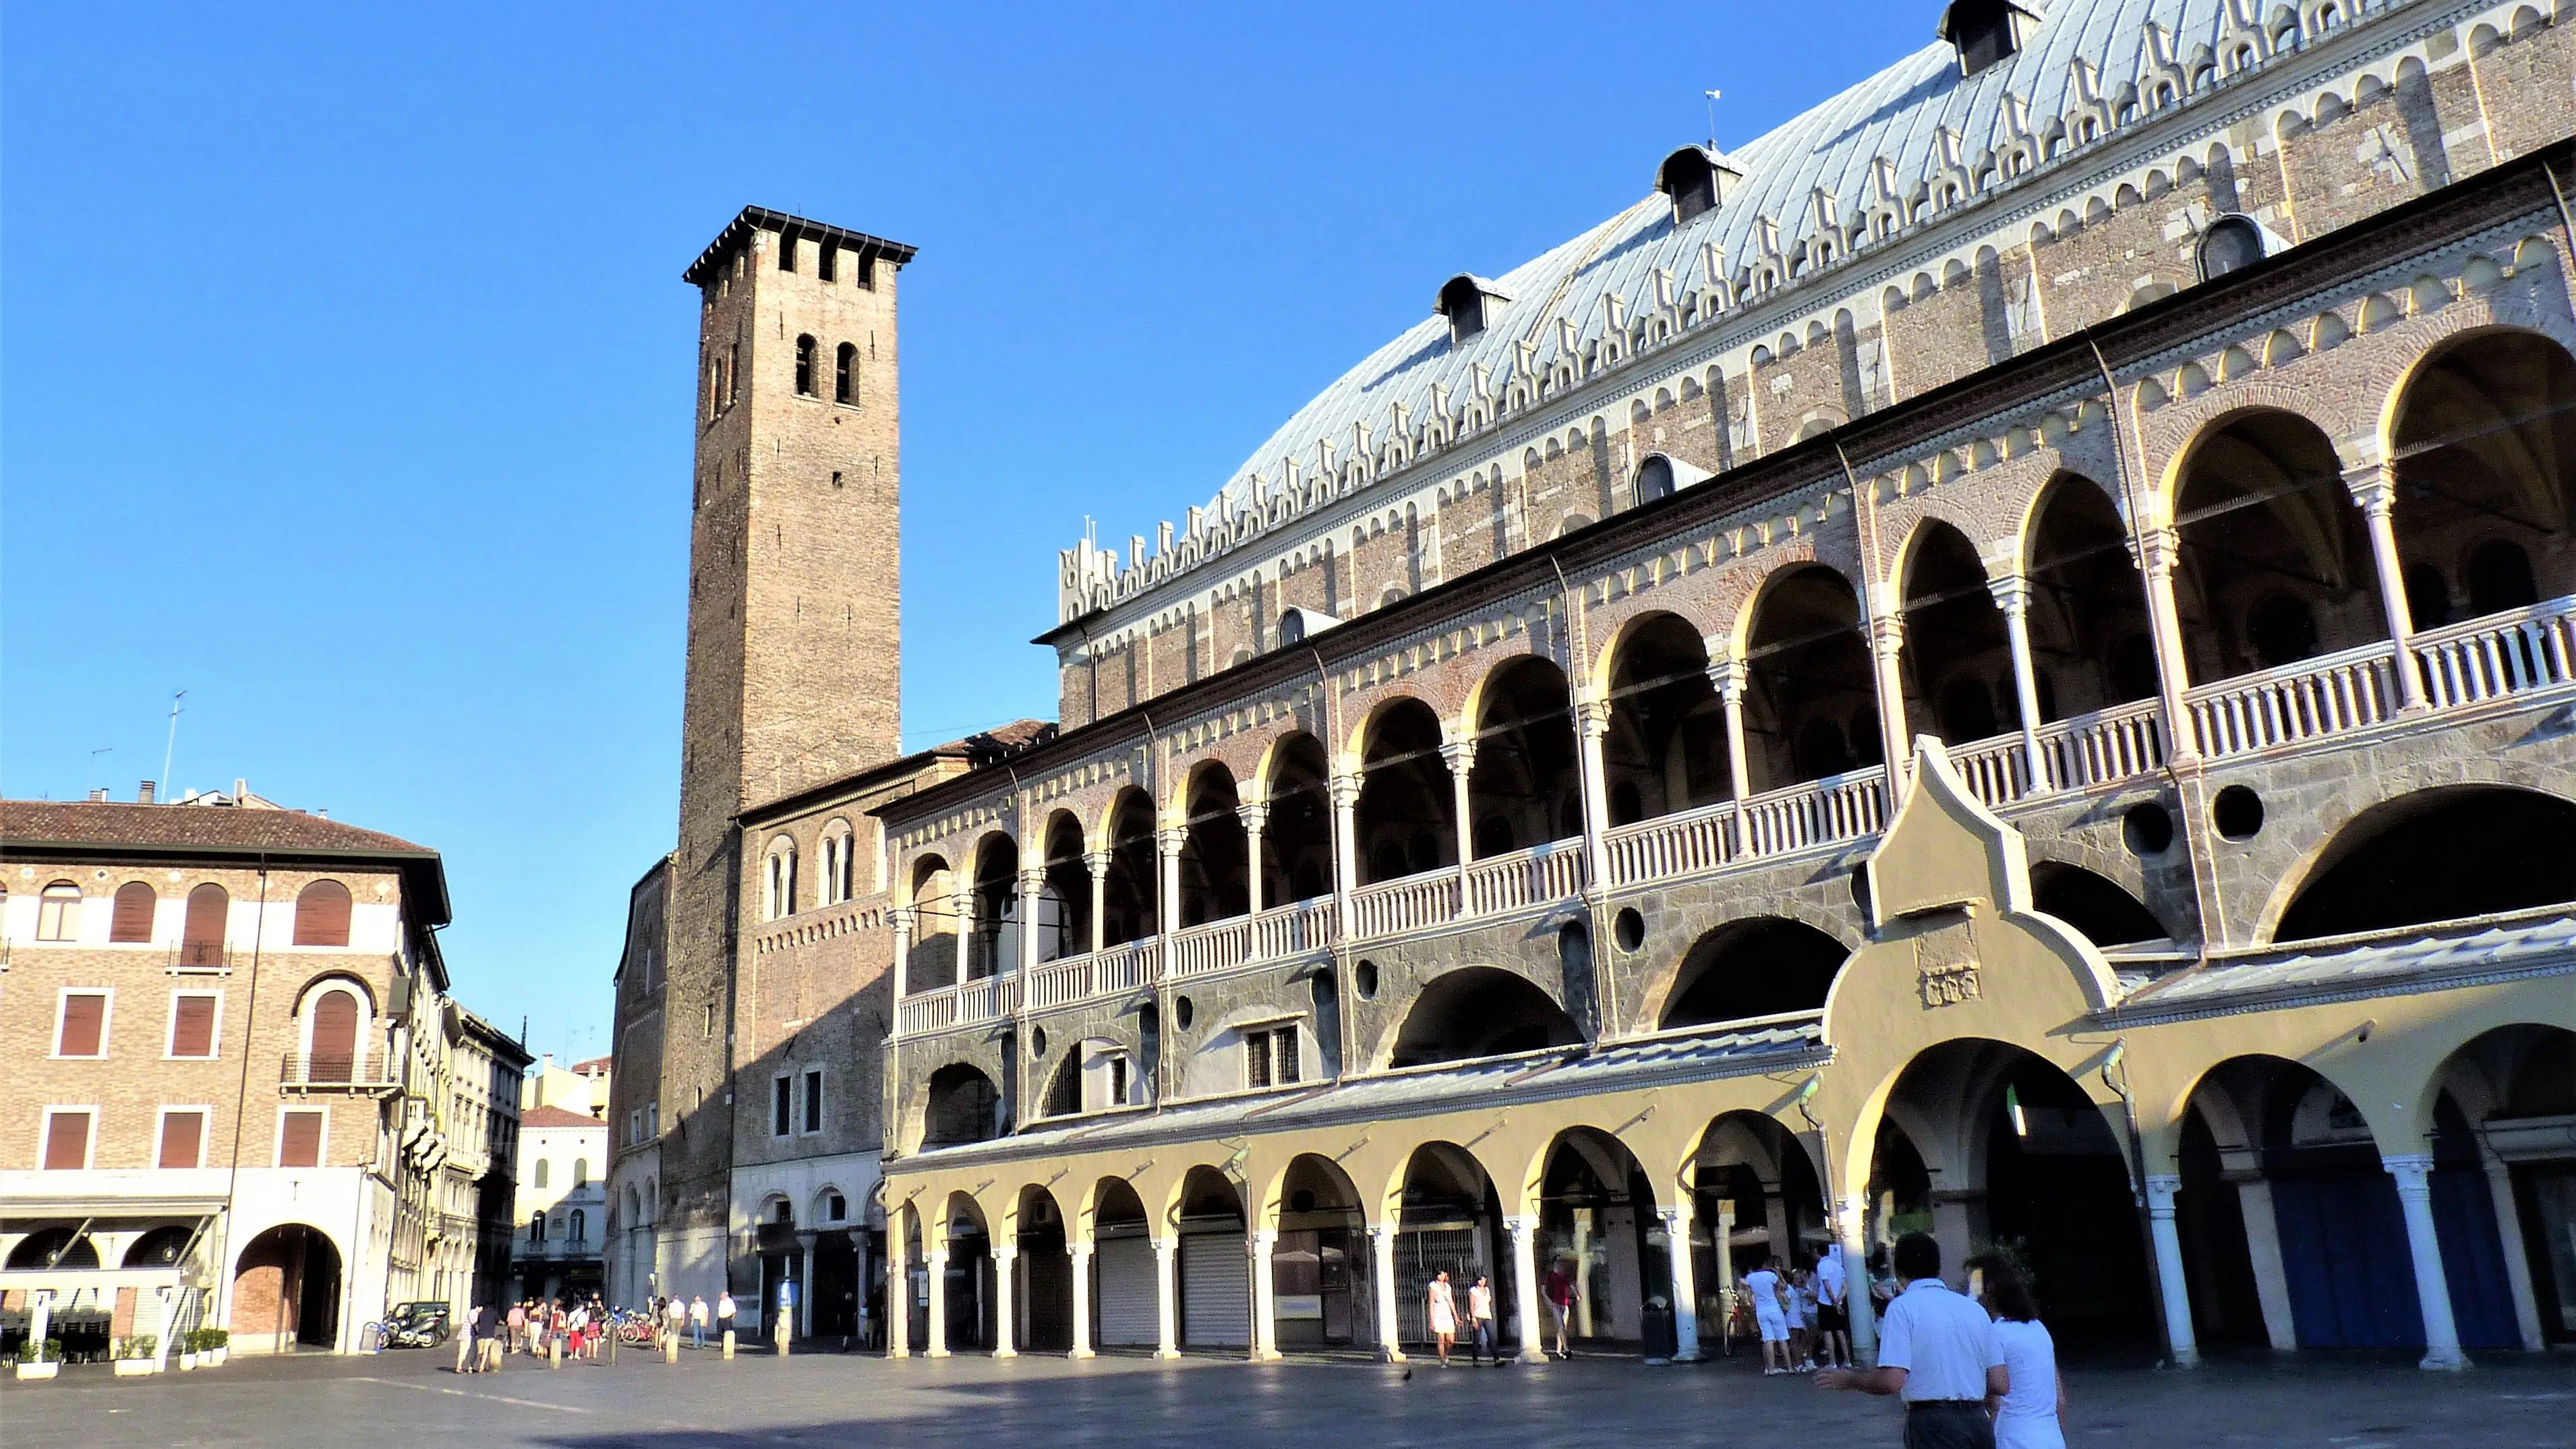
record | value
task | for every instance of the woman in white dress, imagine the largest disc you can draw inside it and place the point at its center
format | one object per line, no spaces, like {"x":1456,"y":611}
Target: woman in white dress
{"x":2027,"y":1417}
{"x":1444,"y":1315}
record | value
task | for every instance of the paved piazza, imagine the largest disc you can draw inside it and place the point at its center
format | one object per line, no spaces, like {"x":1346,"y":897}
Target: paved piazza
{"x":825,"y":1399}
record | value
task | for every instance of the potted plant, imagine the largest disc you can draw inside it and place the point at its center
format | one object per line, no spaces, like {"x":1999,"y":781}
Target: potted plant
{"x":43,"y":1360}
{"x":215,"y":1348}
{"x":187,"y":1354}
{"x":135,"y":1357}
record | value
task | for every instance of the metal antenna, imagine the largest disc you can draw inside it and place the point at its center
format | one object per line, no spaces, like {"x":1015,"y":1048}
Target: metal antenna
{"x":172,"y":747}
{"x":93,"y":758}
{"x":1712,"y":118}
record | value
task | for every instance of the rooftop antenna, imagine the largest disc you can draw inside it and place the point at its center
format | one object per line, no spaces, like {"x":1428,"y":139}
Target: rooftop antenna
{"x":172,"y":747}
{"x":1712,"y":118}
{"x":93,"y":758}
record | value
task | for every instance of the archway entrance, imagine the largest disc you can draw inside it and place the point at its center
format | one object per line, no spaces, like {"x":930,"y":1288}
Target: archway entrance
{"x":968,"y":1305}
{"x":1216,"y":1276}
{"x":1042,"y":1289}
{"x":1317,"y":1273}
{"x":2504,"y":1187}
{"x":286,"y":1289}
{"x":1986,"y":1145}
{"x":1123,"y":1312}
{"x":1755,"y":1193}
{"x":1597,"y":1217}
{"x":1447,"y":1216}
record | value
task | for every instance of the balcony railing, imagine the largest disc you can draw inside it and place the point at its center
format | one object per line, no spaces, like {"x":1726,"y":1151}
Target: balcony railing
{"x":328,"y":1071}
{"x":2503,"y":656}
{"x":209,"y":956}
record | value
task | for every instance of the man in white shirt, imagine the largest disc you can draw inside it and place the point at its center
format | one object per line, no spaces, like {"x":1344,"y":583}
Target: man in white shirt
{"x":724,"y":1313}
{"x":1833,"y":1310}
{"x":1937,"y":1350}
{"x":1770,"y":1315}
{"x":698,"y":1321}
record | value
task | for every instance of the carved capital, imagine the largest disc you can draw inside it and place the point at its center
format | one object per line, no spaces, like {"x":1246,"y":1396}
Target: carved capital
{"x":1096,"y":861}
{"x":2155,"y":549}
{"x":1344,"y":791}
{"x":1592,"y":718}
{"x":1171,"y":839}
{"x":2374,"y":487}
{"x":1254,"y":816}
{"x":1032,"y":882}
{"x":1728,"y":676}
{"x":2011,"y":593}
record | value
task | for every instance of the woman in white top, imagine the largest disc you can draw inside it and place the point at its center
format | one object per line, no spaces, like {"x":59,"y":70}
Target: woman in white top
{"x":2028,"y":1416}
{"x":1444,"y":1315}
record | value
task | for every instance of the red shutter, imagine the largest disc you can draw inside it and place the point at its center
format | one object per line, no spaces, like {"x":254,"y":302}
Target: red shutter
{"x":180,"y":1134}
{"x":335,"y":1037}
{"x":192,"y":1027}
{"x":201,"y":942}
{"x":300,"y":1143}
{"x":84,"y":1020}
{"x":322,"y":914}
{"x":132,"y":922}
{"x":67,"y":1141}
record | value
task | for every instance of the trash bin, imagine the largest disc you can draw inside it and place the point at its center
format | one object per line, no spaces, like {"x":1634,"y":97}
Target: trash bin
{"x":1662,"y":1339}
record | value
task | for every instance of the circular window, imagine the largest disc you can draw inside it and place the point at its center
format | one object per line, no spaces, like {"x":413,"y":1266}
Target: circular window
{"x":1364,"y":980}
{"x":1629,"y":929}
{"x":2237,"y":812}
{"x":2147,"y":828}
{"x":1037,"y":1041}
{"x":1183,"y":1012}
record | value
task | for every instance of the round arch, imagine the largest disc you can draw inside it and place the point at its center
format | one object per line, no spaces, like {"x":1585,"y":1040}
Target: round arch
{"x":2273,"y":559}
{"x":1666,"y":749}
{"x":1406,"y":815}
{"x":1478,"y":1011}
{"x":1297,"y":820}
{"x":1957,"y":659}
{"x":1811,"y":702}
{"x":1746,"y":969}
{"x":2445,"y":853}
{"x":286,"y":1289}
{"x":1522,"y":789}
{"x":2091,"y":643}
{"x":2481,"y":433}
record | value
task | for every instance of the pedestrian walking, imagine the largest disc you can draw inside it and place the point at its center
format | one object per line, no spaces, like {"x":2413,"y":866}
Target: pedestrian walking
{"x":518,"y":1324}
{"x":1802,"y":1316}
{"x":2032,"y":1415}
{"x":1833,"y":1310}
{"x":675,"y":1318}
{"x":1443,"y":1306}
{"x":1770,"y":1314}
{"x":487,"y":1340}
{"x":1938,"y":1351}
{"x":1559,"y":1290}
{"x":1480,"y":1320}
{"x":698,"y":1321}
{"x":579,"y":1325}
{"x":466,"y":1362}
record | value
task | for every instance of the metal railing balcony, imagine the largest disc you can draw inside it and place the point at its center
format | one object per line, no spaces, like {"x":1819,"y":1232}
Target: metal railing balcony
{"x":328,"y":1071}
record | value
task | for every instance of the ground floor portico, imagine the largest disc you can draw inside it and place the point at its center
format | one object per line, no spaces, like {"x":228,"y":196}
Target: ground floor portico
{"x":809,"y":1227}
{"x":2346,"y":1143}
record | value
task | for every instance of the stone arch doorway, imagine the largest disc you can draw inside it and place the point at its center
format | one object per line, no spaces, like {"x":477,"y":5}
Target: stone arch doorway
{"x":286,"y":1290}
{"x":2503,"y":1186}
{"x":1318,"y":1265}
{"x":967,"y":1284}
{"x":1755,"y":1192}
{"x":1448,"y":1217}
{"x":1597,"y":1217}
{"x":1987,"y":1145}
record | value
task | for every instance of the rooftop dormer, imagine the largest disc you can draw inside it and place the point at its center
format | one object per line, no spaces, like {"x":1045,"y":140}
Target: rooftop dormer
{"x":1697,"y":179}
{"x":1986,"y":31}
{"x":1468,"y":301}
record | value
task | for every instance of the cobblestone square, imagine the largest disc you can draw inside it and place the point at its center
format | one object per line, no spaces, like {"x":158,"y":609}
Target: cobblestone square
{"x":829,"y":1399}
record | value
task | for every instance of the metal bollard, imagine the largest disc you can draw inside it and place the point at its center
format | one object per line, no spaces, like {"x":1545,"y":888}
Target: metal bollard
{"x":728,"y":1345}
{"x":782,"y":1332}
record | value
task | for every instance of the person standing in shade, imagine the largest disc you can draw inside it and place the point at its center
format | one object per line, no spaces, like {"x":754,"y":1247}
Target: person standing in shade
{"x":1938,"y":1351}
{"x":675,"y":1318}
{"x":698,"y":1321}
{"x":1559,"y":1290}
{"x":2031,"y":1415}
{"x":1833,"y":1315}
{"x":1443,"y":1312}
{"x":1770,"y":1315}
{"x":1480,"y":1321}
{"x":724,"y":1313}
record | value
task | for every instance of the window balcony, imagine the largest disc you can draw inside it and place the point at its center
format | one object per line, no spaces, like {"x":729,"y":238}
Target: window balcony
{"x":327,"y":1072}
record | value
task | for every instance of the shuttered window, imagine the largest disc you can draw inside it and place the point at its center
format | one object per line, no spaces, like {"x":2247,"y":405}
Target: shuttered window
{"x":182,"y":1134}
{"x":335,"y":1037}
{"x":322,"y":914}
{"x":66,"y":1141}
{"x":781,"y":1106}
{"x":299,"y":1140}
{"x":84,"y":1026}
{"x":192,"y":1025}
{"x":132,"y":923}
{"x":201,"y":941}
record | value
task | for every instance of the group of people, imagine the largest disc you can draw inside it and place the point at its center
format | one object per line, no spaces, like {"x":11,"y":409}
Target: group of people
{"x":1975,"y":1372}
{"x":578,"y":1326}
{"x":675,"y":1316}
{"x":1802,"y":1313}
{"x":1442,"y":1309}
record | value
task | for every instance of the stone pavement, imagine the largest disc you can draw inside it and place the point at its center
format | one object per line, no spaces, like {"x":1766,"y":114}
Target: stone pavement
{"x":820,"y":1399}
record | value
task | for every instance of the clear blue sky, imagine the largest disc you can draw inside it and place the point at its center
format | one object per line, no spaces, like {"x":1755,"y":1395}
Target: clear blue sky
{"x":347,"y":364}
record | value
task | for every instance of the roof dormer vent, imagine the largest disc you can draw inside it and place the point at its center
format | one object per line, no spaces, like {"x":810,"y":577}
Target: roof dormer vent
{"x":1697,"y":179}
{"x":1986,"y":31}
{"x":1467,"y":301}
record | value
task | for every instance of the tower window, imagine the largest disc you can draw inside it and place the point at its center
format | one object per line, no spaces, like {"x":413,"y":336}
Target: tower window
{"x":845,"y":372}
{"x":787,"y":251}
{"x":804,"y":366}
{"x":825,"y":265}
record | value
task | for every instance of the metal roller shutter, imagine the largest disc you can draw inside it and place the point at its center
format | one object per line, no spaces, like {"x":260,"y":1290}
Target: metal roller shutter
{"x":1216,"y":1291}
{"x":1126,"y":1292}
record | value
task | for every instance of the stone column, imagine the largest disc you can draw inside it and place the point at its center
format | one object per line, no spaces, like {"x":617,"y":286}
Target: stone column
{"x":1524,"y":1231}
{"x":2517,"y":1263}
{"x":1887,"y":652}
{"x":1591,"y":726}
{"x":1583,"y":1276}
{"x":805,"y":1286}
{"x":898,"y":1295}
{"x":1097,"y":863}
{"x":1345,"y":792}
{"x":1265,"y":1293}
{"x":1080,"y":1249}
{"x":962,"y":905}
{"x":1460,"y":757}
{"x":1390,"y":1345}
{"x":1255,"y":817}
{"x":1677,"y":1232}
{"x":2263,"y":1249}
{"x":2183,"y":1343}
{"x":1032,"y":897}
{"x":900,"y":918}
{"x":1006,"y":1256}
{"x":859,"y":1283}
{"x":1728,"y":675}
{"x":937,"y":1261}
{"x":1851,"y":1228}
{"x":1168,"y":843}
{"x":2157,"y":550}
{"x":2012,"y":595}
{"x":1167,"y":1307}
{"x":2374,"y":487}
{"x":2414,"y":1172}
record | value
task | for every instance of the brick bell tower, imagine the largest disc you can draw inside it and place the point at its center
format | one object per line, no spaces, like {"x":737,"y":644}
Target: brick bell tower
{"x":795,"y":644}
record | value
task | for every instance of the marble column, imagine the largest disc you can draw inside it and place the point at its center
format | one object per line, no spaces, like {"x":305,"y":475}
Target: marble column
{"x":1265,"y":1292}
{"x":937,"y":1261}
{"x":1460,"y":756}
{"x":805,"y":1285}
{"x":2414,"y":1174}
{"x":2157,"y":551}
{"x":1168,"y":844}
{"x":1591,"y":726}
{"x":1677,"y":1237}
{"x":1032,"y":897}
{"x":1345,"y":793}
{"x":900,"y":919}
{"x":1524,"y":1233}
{"x":2374,"y":487}
{"x":1390,"y":1345}
{"x":1096,"y":862}
{"x":2176,"y":1290}
{"x":898,"y":1296}
{"x":2263,"y":1251}
{"x":1728,"y":675}
{"x":1255,"y":817}
{"x":1887,"y":653}
{"x":1006,"y":1257}
{"x":1850,"y":1226}
{"x":1167,"y":1306}
{"x":2517,"y":1262}
{"x":1080,"y":1249}
{"x":2012,"y":595}
{"x":962,"y":905}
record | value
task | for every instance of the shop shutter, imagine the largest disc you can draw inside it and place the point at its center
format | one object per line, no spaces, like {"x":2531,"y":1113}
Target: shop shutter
{"x":1126,"y":1292}
{"x":1216,"y":1291}
{"x":84,"y":1021}
{"x":192,"y":1027}
{"x":181,"y":1132}
{"x":67,"y":1141}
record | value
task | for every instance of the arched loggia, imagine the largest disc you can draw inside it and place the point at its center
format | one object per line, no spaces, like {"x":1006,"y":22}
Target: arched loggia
{"x":1811,"y":702}
{"x":1068,"y":890}
{"x":1130,"y":897}
{"x":2090,"y":644}
{"x":1406,"y":806}
{"x":994,"y":945}
{"x":1666,"y":748}
{"x":1319,"y":1265}
{"x":1523,"y":789}
{"x":1480,"y":1011}
{"x":1958,"y":661}
{"x":1297,"y":831}
{"x":1753,"y":968}
{"x":1215,"y":879}
{"x":1597,"y":1219}
{"x":2275,"y":561}
{"x":2484,"y":443}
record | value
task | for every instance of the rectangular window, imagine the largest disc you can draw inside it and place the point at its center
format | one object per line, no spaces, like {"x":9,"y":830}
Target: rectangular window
{"x":635,"y":1127}
{"x":299,"y":1139}
{"x":824,"y":268}
{"x":1270,"y":1057}
{"x":192,"y":1023}
{"x":183,"y":1136}
{"x":82,"y":1030}
{"x":1117,"y":1081}
{"x":67,"y":1138}
{"x":782,"y":1116}
{"x":814,"y":1100}
{"x":1256,"y":1059}
{"x":709,"y":1027}
{"x":652,"y":1120}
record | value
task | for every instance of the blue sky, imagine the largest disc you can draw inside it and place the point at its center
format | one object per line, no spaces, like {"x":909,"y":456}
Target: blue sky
{"x":345,"y":364}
